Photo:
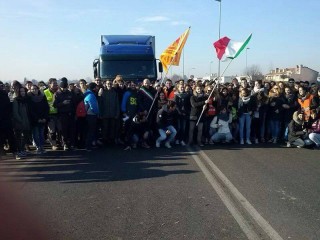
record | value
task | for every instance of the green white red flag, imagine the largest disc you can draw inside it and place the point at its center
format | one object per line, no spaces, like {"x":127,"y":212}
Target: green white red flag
{"x":229,"y":49}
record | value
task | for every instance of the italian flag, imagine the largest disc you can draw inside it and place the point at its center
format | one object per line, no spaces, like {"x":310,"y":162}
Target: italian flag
{"x":228,"y":49}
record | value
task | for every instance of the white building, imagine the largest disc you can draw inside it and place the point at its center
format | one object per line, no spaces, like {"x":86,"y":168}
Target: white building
{"x":299,"y":73}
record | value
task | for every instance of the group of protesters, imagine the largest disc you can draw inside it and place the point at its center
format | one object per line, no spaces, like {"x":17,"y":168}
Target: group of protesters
{"x":107,"y":112}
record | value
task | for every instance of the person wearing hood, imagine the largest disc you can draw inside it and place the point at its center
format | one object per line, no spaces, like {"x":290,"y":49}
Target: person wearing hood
{"x":221,"y":123}
{"x":297,"y":131}
{"x":165,"y":121}
{"x":92,"y":112}
{"x":38,"y":116}
{"x":315,"y":103}
{"x":305,"y":101}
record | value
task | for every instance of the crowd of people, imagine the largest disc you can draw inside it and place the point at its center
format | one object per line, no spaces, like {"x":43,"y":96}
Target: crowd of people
{"x":105,"y":112}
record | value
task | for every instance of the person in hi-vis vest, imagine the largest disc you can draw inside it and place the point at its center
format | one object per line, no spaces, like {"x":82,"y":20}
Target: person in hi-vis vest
{"x":53,"y":113}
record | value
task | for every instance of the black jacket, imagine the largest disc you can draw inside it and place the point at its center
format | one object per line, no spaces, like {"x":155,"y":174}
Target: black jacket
{"x":5,"y":110}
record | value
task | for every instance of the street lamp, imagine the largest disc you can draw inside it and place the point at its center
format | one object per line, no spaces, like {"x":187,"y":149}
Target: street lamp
{"x":219,"y":33}
{"x":210,"y":69}
{"x":247,"y":59}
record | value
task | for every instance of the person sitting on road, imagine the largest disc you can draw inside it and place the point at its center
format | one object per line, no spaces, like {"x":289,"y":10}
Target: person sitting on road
{"x":165,"y":121}
{"x":297,"y":132}
{"x":314,"y":130}
{"x":221,"y":123}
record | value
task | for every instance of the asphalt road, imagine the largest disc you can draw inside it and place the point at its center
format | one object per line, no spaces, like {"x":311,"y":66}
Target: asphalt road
{"x":219,"y":192}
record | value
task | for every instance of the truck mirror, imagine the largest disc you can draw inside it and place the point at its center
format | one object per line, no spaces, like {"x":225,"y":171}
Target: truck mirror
{"x":160,"y":67}
{"x":95,"y":68}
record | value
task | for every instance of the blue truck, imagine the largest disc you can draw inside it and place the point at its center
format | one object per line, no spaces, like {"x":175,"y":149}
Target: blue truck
{"x":132,"y":56}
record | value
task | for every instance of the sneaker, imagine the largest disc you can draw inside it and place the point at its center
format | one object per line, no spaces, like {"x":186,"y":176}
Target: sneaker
{"x":167,"y":145}
{"x":18,"y":156}
{"x":288,"y":145}
{"x":177,"y":142}
{"x":54,"y":147}
{"x":274,"y":140}
{"x":65,"y":147}
{"x":99,"y":143}
{"x":262,"y":140}
{"x":299,"y":146}
{"x":256,"y":141}
{"x":43,"y":151}
{"x":38,"y":151}
{"x":271,"y":140}
{"x":211,"y":142}
{"x":201,"y":144}
{"x":248,"y":141}
{"x":23,"y":154}
{"x":145,"y":145}
{"x":241,"y":142}
{"x":88,"y":150}
{"x":157,"y":144}
{"x":127,"y":148}
{"x":182,"y":143}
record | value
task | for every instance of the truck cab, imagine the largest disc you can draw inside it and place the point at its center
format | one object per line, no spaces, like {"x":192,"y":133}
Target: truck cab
{"x":132,"y":56}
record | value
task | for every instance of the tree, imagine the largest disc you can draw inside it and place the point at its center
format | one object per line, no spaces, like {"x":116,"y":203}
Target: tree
{"x":254,"y":72}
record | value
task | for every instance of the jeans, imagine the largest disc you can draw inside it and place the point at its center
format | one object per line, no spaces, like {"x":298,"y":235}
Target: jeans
{"x":191,"y":130}
{"x":218,"y":137}
{"x":164,"y":136}
{"x":38,"y":135}
{"x":91,"y":129}
{"x":274,"y":128}
{"x":315,"y":137}
{"x":245,"y":120}
{"x":181,"y":129}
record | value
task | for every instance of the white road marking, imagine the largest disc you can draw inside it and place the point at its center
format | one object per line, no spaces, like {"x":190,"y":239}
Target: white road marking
{"x":241,"y":199}
{"x":244,"y":225}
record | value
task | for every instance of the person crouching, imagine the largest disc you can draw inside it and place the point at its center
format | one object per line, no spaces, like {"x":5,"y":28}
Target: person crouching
{"x":221,"y":123}
{"x":165,"y":122}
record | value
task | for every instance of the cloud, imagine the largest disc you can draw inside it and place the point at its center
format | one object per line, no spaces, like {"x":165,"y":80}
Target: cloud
{"x":139,"y":30}
{"x":153,"y":19}
{"x":178,"y":23}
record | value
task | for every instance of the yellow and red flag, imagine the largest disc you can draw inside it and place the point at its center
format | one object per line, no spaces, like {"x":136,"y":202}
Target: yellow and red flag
{"x":171,"y":56}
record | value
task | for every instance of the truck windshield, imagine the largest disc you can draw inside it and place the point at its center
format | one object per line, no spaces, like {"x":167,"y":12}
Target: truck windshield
{"x":128,"y":69}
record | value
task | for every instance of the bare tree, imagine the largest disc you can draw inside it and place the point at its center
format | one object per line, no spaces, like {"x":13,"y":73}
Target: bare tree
{"x":254,"y":72}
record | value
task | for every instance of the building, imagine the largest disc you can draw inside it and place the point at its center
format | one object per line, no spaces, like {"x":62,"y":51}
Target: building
{"x":299,"y":73}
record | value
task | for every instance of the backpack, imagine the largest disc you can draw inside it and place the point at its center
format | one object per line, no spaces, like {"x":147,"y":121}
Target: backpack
{"x":81,"y":110}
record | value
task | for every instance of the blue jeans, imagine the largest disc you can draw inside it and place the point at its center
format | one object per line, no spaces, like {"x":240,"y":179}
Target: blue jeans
{"x":163,"y":135}
{"x":274,"y":128}
{"x":38,"y":135}
{"x":181,"y":129}
{"x":245,"y":120}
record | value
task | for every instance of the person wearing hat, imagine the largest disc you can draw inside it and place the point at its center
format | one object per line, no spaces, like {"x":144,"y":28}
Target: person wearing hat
{"x":65,"y":104}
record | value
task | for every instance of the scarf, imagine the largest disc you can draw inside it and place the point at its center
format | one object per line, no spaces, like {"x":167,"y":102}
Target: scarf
{"x":223,"y":116}
{"x":37,"y":98}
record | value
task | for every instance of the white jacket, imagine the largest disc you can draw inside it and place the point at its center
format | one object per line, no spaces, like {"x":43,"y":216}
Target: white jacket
{"x":223,"y":126}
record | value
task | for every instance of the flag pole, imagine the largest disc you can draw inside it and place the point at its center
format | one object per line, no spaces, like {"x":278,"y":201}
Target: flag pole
{"x":180,"y":43}
{"x":215,"y":86}
{"x":162,"y":79}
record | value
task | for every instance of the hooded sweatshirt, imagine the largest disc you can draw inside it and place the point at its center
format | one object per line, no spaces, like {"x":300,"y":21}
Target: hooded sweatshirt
{"x":295,"y":128}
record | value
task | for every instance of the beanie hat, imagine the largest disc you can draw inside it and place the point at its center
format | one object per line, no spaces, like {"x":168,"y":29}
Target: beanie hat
{"x":92,"y":85}
{"x":63,"y":84}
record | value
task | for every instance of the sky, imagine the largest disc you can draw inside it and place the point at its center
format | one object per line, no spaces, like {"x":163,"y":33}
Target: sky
{"x":54,"y":38}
